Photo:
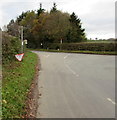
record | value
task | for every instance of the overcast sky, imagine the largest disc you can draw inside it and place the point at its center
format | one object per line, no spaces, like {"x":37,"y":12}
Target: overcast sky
{"x":97,"y":16}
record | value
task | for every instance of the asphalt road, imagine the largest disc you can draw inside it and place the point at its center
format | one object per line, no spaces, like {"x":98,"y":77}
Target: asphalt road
{"x":76,"y":86}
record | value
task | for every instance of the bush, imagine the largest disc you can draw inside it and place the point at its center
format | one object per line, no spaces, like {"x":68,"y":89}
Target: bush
{"x":54,"y":46}
{"x":84,"y":46}
{"x":10,"y":46}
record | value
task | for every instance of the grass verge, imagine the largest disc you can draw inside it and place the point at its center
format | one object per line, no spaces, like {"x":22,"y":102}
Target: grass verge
{"x":83,"y":52}
{"x":17,"y":78}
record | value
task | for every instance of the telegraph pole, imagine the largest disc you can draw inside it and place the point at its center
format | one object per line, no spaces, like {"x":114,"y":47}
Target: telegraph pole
{"x":61,"y":42}
{"x":22,"y":43}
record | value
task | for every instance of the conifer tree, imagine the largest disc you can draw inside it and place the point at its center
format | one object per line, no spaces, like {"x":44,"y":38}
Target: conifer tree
{"x":40,"y":10}
{"x":76,"y":33}
{"x":54,"y":8}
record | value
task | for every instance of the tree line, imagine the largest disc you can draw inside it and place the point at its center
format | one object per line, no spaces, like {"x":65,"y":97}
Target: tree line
{"x":42,"y":28}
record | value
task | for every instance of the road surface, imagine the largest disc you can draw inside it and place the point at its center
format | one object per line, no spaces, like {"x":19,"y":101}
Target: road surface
{"x":76,"y":86}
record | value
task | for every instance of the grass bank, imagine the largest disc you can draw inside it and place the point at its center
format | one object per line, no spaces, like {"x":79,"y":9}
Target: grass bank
{"x":82,"y":52}
{"x":17,"y":78}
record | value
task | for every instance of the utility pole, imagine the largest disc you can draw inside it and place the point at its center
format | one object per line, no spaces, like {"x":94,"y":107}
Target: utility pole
{"x":61,"y":42}
{"x":22,"y":43}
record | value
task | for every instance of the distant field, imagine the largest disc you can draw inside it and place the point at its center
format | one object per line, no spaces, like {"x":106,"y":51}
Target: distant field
{"x":100,"y":41}
{"x":82,"y":52}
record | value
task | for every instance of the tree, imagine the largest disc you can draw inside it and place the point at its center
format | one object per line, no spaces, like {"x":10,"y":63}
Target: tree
{"x":40,"y":10}
{"x":57,"y":26}
{"x":48,"y":27}
{"x":28,"y":23}
{"x":54,"y":8}
{"x":22,"y":16}
{"x":5,"y":28}
{"x":38,"y":29}
{"x":13,"y":28}
{"x":76,"y":33}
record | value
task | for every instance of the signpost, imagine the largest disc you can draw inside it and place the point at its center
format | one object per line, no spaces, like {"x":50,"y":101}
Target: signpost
{"x":22,"y":43}
{"x":19,"y":57}
{"x":61,"y":42}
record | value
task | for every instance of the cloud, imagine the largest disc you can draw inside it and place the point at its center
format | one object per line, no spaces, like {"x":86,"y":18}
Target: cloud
{"x":100,"y":20}
{"x":11,"y":10}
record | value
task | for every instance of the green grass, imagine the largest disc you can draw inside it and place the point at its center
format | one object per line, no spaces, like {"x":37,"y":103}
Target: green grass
{"x":17,"y":78}
{"x":100,"y":41}
{"x":83,"y":52}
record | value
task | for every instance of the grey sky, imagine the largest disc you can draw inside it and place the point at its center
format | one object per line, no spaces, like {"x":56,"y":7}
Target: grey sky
{"x":97,"y":16}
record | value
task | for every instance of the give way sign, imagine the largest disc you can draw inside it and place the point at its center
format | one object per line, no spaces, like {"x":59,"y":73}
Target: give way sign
{"x":19,"y":57}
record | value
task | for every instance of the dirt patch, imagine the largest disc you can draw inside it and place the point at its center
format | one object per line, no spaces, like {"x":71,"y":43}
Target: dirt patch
{"x":33,"y":96}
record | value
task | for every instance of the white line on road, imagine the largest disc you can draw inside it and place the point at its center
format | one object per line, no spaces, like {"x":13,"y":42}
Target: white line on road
{"x":46,"y":56}
{"x":66,"y":56}
{"x":111,"y":101}
{"x":69,"y":67}
{"x":71,"y":70}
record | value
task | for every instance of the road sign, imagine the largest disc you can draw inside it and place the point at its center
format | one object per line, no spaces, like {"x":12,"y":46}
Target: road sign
{"x":19,"y":57}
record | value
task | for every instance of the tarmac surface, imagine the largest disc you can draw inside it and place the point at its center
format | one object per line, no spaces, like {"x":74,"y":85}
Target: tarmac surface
{"x":76,"y":86}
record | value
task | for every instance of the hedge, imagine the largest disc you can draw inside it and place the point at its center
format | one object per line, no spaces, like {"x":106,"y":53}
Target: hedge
{"x":10,"y":46}
{"x":83,"y":46}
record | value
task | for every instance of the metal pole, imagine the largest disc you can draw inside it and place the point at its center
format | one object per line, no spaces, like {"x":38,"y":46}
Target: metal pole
{"x":61,"y":41}
{"x":22,"y":43}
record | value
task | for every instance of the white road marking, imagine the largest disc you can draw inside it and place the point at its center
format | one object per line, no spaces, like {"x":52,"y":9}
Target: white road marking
{"x":46,"y":56}
{"x":111,"y":101}
{"x":71,"y":70}
{"x":69,"y":66}
{"x":66,"y":56}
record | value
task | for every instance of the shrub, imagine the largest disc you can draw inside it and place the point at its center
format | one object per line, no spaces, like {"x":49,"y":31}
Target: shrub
{"x":84,"y":46}
{"x":10,"y":46}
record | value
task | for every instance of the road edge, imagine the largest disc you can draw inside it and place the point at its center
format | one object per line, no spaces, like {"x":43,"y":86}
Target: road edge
{"x":31,"y":104}
{"x":79,"y":52}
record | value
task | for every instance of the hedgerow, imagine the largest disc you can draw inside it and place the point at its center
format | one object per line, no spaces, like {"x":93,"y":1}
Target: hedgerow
{"x":10,"y":46}
{"x":83,"y":46}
